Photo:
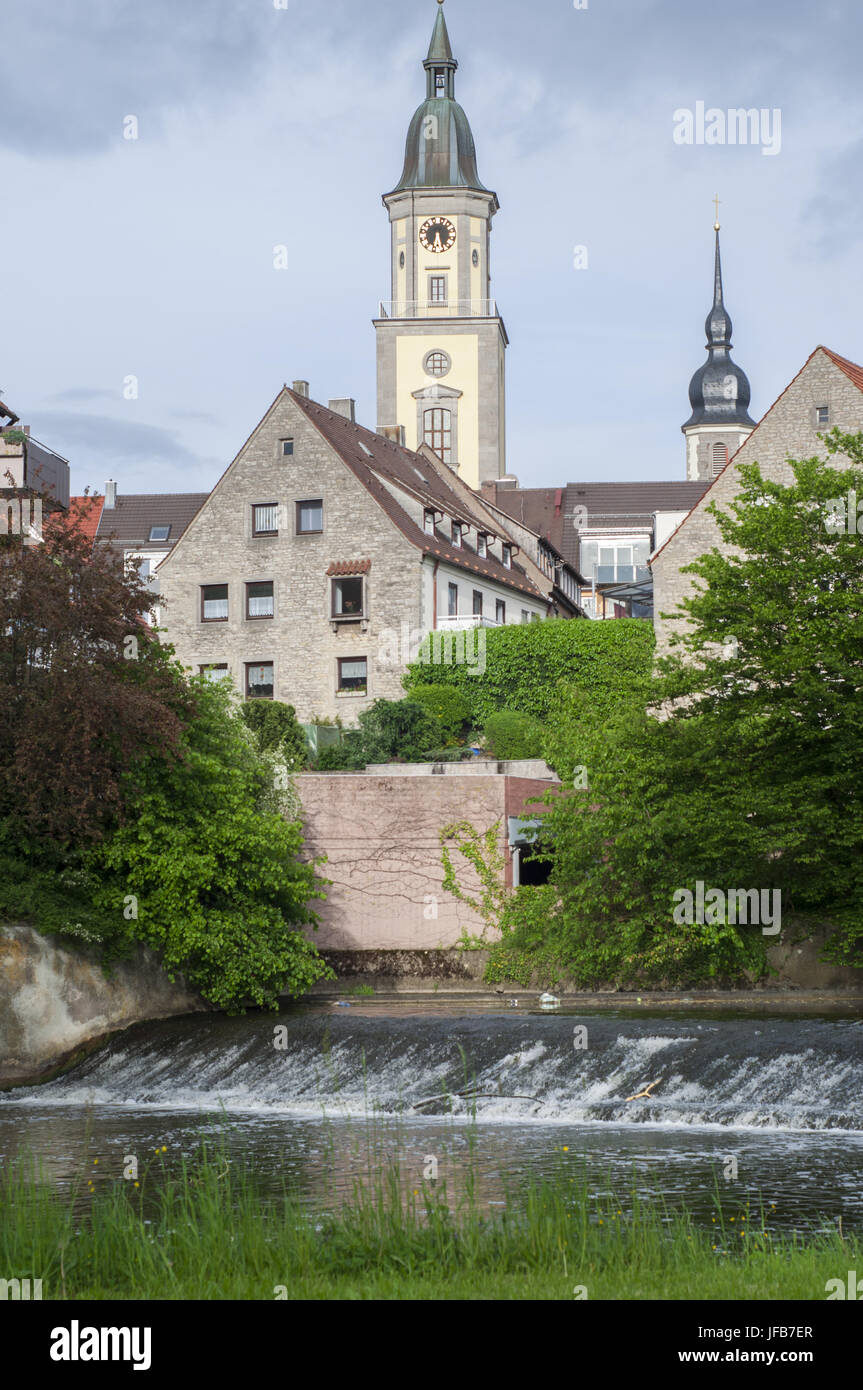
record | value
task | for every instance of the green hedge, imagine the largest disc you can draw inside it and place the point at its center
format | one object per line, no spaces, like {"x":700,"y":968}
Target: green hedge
{"x":525,"y":663}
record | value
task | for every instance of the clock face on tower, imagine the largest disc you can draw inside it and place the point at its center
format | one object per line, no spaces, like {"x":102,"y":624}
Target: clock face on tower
{"x":437,"y":235}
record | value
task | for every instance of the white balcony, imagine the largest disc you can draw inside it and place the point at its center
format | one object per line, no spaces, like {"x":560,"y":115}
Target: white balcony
{"x":463,"y":622}
{"x":454,"y":309}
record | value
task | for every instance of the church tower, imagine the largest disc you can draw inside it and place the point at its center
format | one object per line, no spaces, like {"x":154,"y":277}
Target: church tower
{"x":719,"y":394}
{"x":440,"y":340}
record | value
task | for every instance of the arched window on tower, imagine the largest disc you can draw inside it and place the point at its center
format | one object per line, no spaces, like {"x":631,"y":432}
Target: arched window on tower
{"x":437,"y":432}
{"x":719,"y":458}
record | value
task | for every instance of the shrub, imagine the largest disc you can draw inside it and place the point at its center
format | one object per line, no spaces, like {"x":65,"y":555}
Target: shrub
{"x":397,"y":731}
{"x":276,"y":730}
{"x":450,"y":707}
{"x":509,"y":734}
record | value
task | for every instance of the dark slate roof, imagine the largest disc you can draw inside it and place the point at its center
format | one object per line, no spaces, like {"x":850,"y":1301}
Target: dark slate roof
{"x":551,"y":511}
{"x":379,"y":459}
{"x":448,"y":160}
{"x":709,"y":396}
{"x":440,"y":49}
{"x":128,"y":524}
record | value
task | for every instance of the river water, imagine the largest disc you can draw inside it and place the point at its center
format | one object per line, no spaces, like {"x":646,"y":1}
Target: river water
{"x":766,"y":1108}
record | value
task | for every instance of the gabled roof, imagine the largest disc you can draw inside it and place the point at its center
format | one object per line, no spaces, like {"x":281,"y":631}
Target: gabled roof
{"x":130,"y":521}
{"x":550,"y":511}
{"x":851,"y":370}
{"x":376,"y":461}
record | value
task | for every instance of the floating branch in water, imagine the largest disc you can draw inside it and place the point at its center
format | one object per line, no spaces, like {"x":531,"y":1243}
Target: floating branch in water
{"x":645,"y":1094}
{"x":469,"y":1095}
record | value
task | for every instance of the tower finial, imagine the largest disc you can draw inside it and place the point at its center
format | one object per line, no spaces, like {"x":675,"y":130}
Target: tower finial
{"x":715,"y":204}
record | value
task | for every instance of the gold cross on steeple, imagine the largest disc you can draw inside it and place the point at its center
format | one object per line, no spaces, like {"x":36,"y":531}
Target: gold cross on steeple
{"x":716,"y":205}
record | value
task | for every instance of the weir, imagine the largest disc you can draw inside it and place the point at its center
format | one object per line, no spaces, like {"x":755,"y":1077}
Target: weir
{"x":802,"y":1074}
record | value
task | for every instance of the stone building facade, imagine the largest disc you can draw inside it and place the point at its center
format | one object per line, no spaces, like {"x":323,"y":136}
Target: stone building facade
{"x":326,"y":553}
{"x":827,"y":392}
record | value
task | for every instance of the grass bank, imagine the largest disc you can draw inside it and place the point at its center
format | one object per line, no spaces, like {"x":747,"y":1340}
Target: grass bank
{"x":205,"y":1232}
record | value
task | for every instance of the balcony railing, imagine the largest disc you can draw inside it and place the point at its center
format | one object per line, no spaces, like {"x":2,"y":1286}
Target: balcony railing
{"x":462,"y":622}
{"x":453,"y":308}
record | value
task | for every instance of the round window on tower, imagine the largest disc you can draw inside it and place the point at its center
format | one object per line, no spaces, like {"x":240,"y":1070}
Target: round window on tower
{"x":437,"y":362}
{"x":402,"y":261}
{"x":475,"y":257}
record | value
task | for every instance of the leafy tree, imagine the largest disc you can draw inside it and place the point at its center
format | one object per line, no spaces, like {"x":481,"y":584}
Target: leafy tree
{"x":276,"y":729}
{"x":135,"y":806}
{"x":214,"y":869}
{"x":743,"y":771}
{"x":86,"y":690}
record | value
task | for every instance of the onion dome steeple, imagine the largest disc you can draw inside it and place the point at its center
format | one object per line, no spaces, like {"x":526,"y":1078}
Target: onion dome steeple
{"x":719,"y":392}
{"x":440,"y":150}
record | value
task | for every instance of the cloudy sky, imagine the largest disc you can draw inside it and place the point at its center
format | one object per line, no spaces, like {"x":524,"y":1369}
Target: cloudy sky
{"x":259,"y":126}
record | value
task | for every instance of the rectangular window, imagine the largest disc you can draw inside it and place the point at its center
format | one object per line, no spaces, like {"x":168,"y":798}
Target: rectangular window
{"x":159,"y":533}
{"x":310,"y":518}
{"x":482,"y":545}
{"x":437,"y":289}
{"x":452,"y":600}
{"x":265,"y":519}
{"x":605,"y":571}
{"x":259,"y":680}
{"x":437,"y":432}
{"x":260,"y":600}
{"x":477,"y":603}
{"x":214,"y":603}
{"x":456,"y":534}
{"x":525,"y":615}
{"x":615,"y":564}
{"x":429,"y":523}
{"x":347,"y":598}
{"x":500,"y":612}
{"x":535,"y":618}
{"x":822,"y":413}
{"x":215,"y":671}
{"x":287,"y":448}
{"x":353,"y":673}
{"x":506,"y":555}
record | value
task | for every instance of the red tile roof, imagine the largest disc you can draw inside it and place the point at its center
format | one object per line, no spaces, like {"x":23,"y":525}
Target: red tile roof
{"x":851,"y":370}
{"x":83,"y":515}
{"x":350,"y":567}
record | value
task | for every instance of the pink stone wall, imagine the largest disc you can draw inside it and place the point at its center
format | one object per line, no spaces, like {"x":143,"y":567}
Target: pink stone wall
{"x":381,"y":836}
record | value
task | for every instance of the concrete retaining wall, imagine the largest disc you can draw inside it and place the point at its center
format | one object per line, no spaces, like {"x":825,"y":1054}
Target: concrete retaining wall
{"x":55,"y":1000}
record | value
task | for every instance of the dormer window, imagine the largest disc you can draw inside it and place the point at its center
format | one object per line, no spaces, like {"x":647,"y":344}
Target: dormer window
{"x":456,"y":534}
{"x":429,"y":522}
{"x":506,"y":556}
{"x":482,"y":545}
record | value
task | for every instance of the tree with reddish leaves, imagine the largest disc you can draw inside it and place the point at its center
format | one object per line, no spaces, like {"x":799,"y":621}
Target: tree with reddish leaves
{"x":87,"y":691}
